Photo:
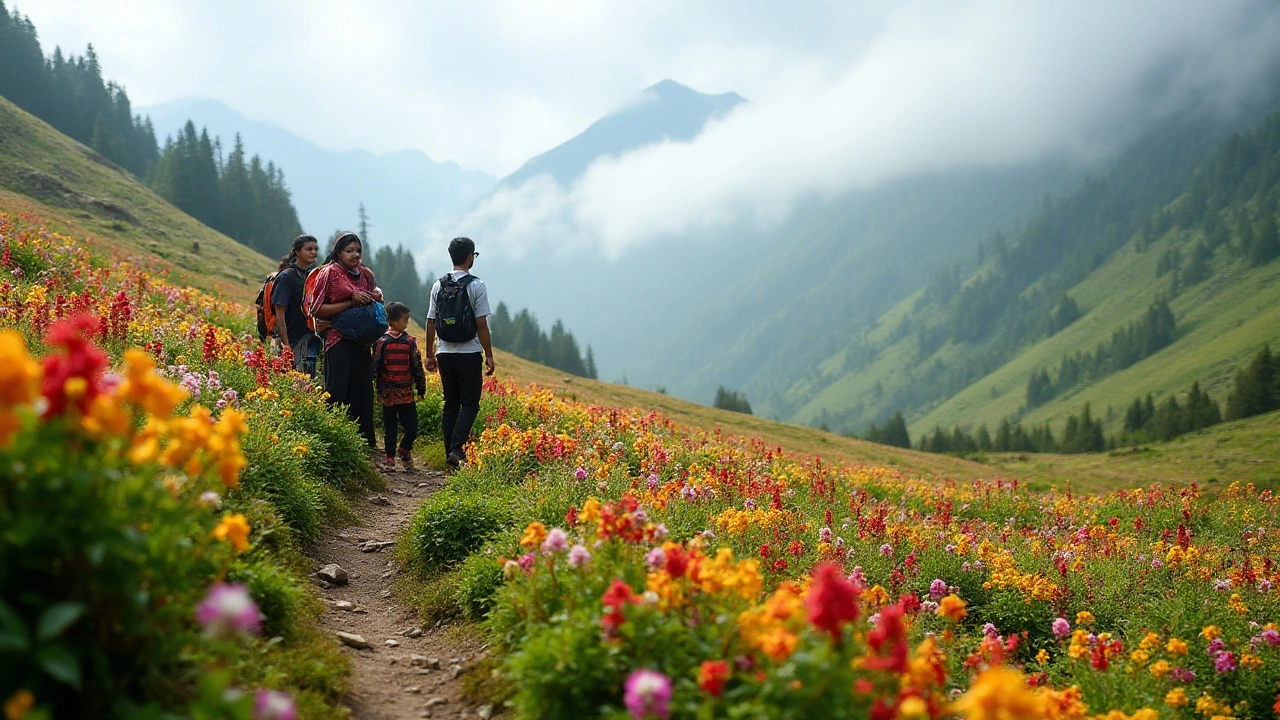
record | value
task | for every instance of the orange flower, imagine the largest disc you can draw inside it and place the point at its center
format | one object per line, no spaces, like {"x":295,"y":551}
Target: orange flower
{"x":233,"y":529}
{"x":952,"y":608}
{"x":534,"y":534}
{"x":999,"y":694}
{"x":712,"y":676}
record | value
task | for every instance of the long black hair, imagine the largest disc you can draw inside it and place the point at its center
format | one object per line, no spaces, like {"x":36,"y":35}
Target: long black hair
{"x":298,"y":242}
{"x":340,"y":242}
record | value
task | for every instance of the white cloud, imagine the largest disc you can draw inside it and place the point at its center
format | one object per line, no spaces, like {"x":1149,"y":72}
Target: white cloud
{"x":940,"y":86}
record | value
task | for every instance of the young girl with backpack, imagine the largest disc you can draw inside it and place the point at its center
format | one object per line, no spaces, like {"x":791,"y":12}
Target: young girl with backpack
{"x":285,"y":299}
{"x":398,"y":369}
{"x":341,"y":284}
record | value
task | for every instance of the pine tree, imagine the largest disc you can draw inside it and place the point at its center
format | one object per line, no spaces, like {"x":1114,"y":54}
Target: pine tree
{"x":1255,"y":390}
{"x":1265,"y":244}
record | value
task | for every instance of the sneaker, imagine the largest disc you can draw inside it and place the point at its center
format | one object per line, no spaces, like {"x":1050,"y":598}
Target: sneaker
{"x":389,"y":464}
{"x":455,"y":459}
{"x":406,"y":459}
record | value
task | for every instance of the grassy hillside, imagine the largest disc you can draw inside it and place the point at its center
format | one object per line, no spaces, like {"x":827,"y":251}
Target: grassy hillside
{"x":81,"y":194}
{"x":1222,"y":322}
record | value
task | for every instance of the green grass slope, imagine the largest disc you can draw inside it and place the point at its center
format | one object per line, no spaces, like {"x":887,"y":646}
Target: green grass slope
{"x":1222,"y":322}
{"x":82,"y":194}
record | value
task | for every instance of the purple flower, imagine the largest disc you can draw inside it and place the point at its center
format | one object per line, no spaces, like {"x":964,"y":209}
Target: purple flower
{"x":1155,"y":563}
{"x":1264,"y":585}
{"x":580,"y":474}
{"x":1225,"y":662}
{"x":990,"y":631}
{"x":1061,"y":628}
{"x":1183,"y":675}
{"x":824,"y":535}
{"x":230,"y":396}
{"x":950,"y":548}
{"x":652,"y":480}
{"x":1216,"y":645}
{"x":1222,"y":585}
{"x":886,"y":549}
{"x":656,"y":559}
{"x":272,"y":705}
{"x":928,"y":607}
{"x":937,"y":589}
{"x":526,"y":561}
{"x":749,"y":504}
{"x":660,"y":532}
{"x":557,"y":541}
{"x":648,"y":694}
{"x":858,"y":577}
{"x":965,"y":567}
{"x":578,"y":556}
{"x":228,"y":611}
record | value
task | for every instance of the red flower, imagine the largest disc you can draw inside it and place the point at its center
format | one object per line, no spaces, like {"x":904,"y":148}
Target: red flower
{"x":712,"y":676}
{"x":677,"y":561}
{"x":71,"y":379}
{"x":615,"y":598}
{"x":889,"y":641}
{"x":832,"y":600}
{"x":571,"y":517}
{"x":910,"y":603}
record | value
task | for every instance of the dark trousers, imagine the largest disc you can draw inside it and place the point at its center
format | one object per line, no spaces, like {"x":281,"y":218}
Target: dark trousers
{"x":404,"y":415}
{"x":461,"y":377}
{"x":348,"y":378}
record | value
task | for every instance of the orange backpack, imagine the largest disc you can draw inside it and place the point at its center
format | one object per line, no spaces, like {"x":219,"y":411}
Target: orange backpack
{"x":308,"y":295}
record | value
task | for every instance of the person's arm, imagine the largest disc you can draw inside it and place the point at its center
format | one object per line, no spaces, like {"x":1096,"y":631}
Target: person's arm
{"x":431,"y":345}
{"x":284,"y":330}
{"x":415,"y":367}
{"x":482,"y":332}
{"x":328,"y":310}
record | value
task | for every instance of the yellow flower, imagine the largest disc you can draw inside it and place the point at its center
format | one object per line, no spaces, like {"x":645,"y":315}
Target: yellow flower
{"x":19,"y":381}
{"x":534,"y":534}
{"x":1211,"y":632}
{"x":999,"y":694}
{"x":1175,"y":647}
{"x":877,"y":596}
{"x":300,"y":449}
{"x":1236,"y":604}
{"x":912,"y":707}
{"x":233,"y":529}
{"x":952,"y":607}
{"x":1176,"y":698}
{"x":1042,"y":656}
{"x":1249,"y":661}
{"x":17,"y":706}
{"x":1160,"y":668}
{"x":590,"y":511}
{"x":1084,"y":617}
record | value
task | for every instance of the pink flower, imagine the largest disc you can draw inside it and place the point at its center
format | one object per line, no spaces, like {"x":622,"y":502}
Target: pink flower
{"x":557,"y":541}
{"x":824,"y":535}
{"x":228,"y":611}
{"x":1183,"y":675}
{"x":652,"y":482}
{"x":526,"y":562}
{"x":1271,"y":636}
{"x":578,"y":556}
{"x":272,"y":705}
{"x":886,"y":549}
{"x":580,"y":474}
{"x":990,"y":631}
{"x":1225,"y":662}
{"x":749,"y":504}
{"x":648,"y":694}
{"x":656,"y":559}
{"x":937,"y":589}
{"x":1061,"y":628}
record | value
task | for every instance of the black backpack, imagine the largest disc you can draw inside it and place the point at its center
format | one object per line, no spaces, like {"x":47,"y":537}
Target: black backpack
{"x":455,"y":318}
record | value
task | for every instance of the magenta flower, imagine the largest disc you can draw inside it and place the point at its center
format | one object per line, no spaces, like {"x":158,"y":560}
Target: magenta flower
{"x":1271,"y":636}
{"x":579,"y":556}
{"x":990,"y":631}
{"x":648,"y":694}
{"x":886,"y":549}
{"x":228,"y":611}
{"x":1061,"y":628}
{"x":824,"y":534}
{"x":1215,"y":646}
{"x":557,"y":541}
{"x":272,"y":705}
{"x":580,"y":473}
{"x":937,"y":589}
{"x":1183,"y":675}
{"x":652,"y":482}
{"x":749,"y":504}
{"x":526,"y":562}
{"x":1225,"y":662}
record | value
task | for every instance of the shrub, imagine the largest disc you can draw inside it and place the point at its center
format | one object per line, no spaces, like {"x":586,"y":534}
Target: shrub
{"x":274,"y":471}
{"x":479,"y":579}
{"x":450,"y":525}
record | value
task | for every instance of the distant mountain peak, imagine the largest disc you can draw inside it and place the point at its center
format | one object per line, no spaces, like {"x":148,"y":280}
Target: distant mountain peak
{"x":666,"y":110}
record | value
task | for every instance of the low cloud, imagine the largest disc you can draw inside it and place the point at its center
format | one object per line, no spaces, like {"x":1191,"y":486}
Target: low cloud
{"x":941,"y":86}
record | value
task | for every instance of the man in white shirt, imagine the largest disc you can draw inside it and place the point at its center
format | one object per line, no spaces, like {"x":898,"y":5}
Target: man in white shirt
{"x":460,"y":358}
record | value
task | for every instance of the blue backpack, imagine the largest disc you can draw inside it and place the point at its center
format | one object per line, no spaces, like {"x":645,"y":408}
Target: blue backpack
{"x":363,"y":323}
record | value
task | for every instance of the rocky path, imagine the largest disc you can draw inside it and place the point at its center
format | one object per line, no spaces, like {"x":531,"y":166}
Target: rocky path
{"x":399,"y":669}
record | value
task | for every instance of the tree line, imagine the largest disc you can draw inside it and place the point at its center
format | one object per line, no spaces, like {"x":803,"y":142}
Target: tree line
{"x":1139,"y":339}
{"x":521,"y":335}
{"x":731,"y":400}
{"x":1255,"y":391}
{"x":241,"y":197}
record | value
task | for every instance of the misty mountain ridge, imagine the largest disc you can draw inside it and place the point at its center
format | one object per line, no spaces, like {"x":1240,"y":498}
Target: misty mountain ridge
{"x":404,"y":192}
{"x":664,"y":111}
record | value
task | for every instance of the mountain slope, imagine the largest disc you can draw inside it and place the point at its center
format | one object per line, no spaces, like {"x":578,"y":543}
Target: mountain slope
{"x":664,"y":111}
{"x":403,"y":192}
{"x":44,"y":172}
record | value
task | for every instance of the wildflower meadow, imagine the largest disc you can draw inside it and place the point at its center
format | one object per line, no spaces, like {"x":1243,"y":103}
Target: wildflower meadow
{"x":159,"y":475}
{"x":625,"y":566}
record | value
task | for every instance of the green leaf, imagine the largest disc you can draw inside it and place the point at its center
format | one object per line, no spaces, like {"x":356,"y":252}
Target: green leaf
{"x":13,"y":632}
{"x":60,"y":664}
{"x":57,"y":619}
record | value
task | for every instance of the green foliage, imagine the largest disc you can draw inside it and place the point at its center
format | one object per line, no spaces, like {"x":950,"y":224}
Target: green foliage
{"x":279,"y":595}
{"x":336,"y":452}
{"x":521,"y":336}
{"x":893,"y":433}
{"x":451,"y":525}
{"x":731,"y":400}
{"x":1257,"y":387}
{"x":478,"y":582}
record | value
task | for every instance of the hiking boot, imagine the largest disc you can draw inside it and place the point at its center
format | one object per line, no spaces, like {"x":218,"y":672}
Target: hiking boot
{"x":455,"y":459}
{"x":389,"y":464}
{"x":406,"y":459}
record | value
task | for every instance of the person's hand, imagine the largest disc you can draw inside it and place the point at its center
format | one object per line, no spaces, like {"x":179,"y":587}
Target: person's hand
{"x":488,"y":366}
{"x":432,"y":365}
{"x":360,"y":297}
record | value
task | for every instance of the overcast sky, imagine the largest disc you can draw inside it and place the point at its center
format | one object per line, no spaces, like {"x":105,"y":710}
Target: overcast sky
{"x":487,"y":84}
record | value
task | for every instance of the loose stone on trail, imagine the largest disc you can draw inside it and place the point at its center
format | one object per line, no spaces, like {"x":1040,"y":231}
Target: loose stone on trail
{"x":379,"y":500}
{"x":376,"y":545}
{"x":333,"y":573}
{"x":354,"y":641}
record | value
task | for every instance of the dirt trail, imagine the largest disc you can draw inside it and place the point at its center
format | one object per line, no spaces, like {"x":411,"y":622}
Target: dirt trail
{"x":417,"y":677}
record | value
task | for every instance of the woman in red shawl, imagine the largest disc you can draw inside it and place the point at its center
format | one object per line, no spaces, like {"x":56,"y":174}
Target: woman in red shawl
{"x":344,"y":282}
